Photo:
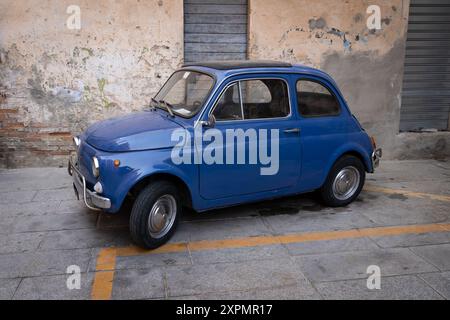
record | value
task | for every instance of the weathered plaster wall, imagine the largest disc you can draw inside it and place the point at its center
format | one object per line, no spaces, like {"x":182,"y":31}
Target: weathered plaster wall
{"x":333,"y":36}
{"x":55,"y":81}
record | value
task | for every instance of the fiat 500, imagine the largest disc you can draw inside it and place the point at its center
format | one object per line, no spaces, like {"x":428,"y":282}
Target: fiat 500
{"x":219,"y":134}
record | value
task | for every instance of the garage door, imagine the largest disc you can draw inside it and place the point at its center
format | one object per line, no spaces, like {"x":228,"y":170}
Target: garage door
{"x":215,"y":30}
{"x":426,"y":85}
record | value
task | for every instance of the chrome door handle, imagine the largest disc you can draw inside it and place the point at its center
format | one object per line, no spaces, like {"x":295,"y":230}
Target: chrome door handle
{"x":293,"y":130}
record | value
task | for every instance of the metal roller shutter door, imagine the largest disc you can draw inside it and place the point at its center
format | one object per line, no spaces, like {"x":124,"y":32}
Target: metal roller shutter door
{"x":215,"y":30}
{"x":426,"y":83}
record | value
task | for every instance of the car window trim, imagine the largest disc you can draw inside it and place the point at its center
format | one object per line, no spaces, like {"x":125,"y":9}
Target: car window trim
{"x":231,"y":83}
{"x":240,"y":99}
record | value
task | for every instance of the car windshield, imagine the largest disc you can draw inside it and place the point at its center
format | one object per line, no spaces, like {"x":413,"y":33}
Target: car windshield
{"x":185,"y":92}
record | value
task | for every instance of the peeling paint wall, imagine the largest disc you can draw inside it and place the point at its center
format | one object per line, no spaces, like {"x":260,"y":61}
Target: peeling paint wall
{"x":333,"y":36}
{"x":55,"y":81}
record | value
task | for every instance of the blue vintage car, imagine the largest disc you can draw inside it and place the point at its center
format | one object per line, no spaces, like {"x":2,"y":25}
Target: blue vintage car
{"x":219,"y":134}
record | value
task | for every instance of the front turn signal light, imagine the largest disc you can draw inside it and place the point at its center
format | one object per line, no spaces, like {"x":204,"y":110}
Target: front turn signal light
{"x":374,"y":144}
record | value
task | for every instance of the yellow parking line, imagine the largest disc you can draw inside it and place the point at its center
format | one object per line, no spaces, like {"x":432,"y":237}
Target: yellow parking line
{"x":106,"y":260}
{"x":104,"y":274}
{"x":432,"y":196}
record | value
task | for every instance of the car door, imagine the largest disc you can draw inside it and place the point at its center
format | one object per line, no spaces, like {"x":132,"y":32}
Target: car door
{"x":324,"y":124}
{"x":260,"y":139}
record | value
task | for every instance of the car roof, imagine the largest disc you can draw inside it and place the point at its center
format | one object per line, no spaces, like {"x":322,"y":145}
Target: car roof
{"x":239,"y":64}
{"x":235,"y":67}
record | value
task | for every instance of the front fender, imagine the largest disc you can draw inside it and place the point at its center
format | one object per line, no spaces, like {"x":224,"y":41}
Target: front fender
{"x":135,"y":166}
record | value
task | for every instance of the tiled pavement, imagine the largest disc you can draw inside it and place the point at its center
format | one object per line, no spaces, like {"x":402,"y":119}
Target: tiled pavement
{"x":43,"y":230}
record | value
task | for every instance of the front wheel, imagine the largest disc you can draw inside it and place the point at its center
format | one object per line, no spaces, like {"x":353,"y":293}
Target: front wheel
{"x":155,"y":214}
{"x":344,"y":182}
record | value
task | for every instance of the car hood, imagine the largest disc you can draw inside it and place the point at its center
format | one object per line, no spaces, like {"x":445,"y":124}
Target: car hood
{"x":137,"y":131}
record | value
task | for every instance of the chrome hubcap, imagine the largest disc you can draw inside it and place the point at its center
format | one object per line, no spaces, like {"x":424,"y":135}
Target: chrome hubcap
{"x":346,"y":183}
{"x":162,"y":216}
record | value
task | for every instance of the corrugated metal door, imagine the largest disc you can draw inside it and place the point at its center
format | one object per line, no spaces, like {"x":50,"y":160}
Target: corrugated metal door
{"x":215,"y":30}
{"x":426,"y":84}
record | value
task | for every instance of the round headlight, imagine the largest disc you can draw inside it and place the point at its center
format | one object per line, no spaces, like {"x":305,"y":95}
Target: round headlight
{"x":95,"y":167}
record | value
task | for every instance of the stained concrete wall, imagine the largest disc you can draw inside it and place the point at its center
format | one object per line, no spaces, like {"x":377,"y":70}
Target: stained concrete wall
{"x":55,"y":81}
{"x":333,"y":36}
{"x":367,"y":65}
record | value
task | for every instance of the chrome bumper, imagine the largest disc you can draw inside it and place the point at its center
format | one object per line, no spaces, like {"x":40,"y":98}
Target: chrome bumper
{"x":91,"y":199}
{"x":376,"y":156}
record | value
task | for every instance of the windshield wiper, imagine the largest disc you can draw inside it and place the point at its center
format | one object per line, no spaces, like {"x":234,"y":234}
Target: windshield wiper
{"x":168,"y":107}
{"x":153,"y":104}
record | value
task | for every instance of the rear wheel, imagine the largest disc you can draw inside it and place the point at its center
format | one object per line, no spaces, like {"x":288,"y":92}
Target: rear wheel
{"x":344,"y":182}
{"x":155,"y":214}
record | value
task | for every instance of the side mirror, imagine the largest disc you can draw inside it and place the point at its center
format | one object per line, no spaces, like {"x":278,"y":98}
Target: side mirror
{"x":211,"y":122}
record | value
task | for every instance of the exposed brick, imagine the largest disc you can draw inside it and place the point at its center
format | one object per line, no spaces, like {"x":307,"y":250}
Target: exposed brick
{"x":9,"y":110}
{"x":62,"y":134}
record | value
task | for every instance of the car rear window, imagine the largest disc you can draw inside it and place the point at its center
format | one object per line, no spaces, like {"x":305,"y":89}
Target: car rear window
{"x":315,"y":100}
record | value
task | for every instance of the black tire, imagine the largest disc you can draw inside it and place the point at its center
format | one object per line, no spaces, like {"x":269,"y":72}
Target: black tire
{"x":139,"y":219}
{"x":326,"y":191}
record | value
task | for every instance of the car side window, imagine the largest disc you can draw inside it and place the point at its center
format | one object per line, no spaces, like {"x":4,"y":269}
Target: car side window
{"x":315,"y":100}
{"x":265,"y":98}
{"x":228,"y":107}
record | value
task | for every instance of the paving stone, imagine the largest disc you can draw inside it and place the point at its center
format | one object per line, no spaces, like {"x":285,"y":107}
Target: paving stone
{"x":438,"y":255}
{"x":55,"y":194}
{"x":239,"y":254}
{"x":317,"y":221}
{"x":150,"y":261}
{"x":392,"y":288}
{"x":242,"y":211}
{"x":54,"y":288}
{"x":437,"y":185}
{"x":410,"y":240}
{"x":28,"y":208}
{"x":138,"y":284}
{"x":34,"y":179}
{"x":42,"y":263}
{"x":183,"y":233}
{"x":8,"y":287}
{"x":410,"y":170}
{"x":53,"y":222}
{"x":440,"y":281}
{"x":42,"y":199}
{"x":390,"y":210}
{"x":17,"y":196}
{"x":223,"y":277}
{"x":314,"y":247}
{"x":6,"y":225}
{"x":86,"y":238}
{"x":284,"y":293}
{"x":73,"y":206}
{"x":353,"y":265}
{"x":20,"y":242}
{"x":224,"y":229}
{"x":106,"y":220}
